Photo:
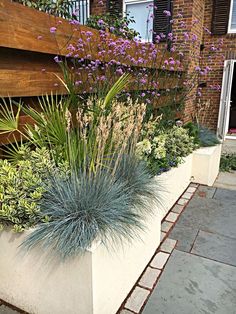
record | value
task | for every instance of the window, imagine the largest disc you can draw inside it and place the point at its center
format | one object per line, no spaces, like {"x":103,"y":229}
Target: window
{"x":142,"y":12}
{"x":232,"y":17}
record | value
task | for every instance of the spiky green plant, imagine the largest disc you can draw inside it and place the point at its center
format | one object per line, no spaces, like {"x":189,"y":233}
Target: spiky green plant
{"x":56,"y":124}
{"x":9,"y":116}
{"x":102,"y":207}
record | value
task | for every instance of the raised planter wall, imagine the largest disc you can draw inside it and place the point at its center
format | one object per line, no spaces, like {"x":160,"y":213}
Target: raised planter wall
{"x":99,"y":281}
{"x":206,"y":163}
{"x":173,"y":183}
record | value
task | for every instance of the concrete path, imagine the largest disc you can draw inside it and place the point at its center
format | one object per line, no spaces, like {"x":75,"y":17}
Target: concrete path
{"x":200,"y":275}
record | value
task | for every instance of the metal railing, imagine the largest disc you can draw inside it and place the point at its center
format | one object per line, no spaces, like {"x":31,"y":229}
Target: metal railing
{"x":81,"y":8}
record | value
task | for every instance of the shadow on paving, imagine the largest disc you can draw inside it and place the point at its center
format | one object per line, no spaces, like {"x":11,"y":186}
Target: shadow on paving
{"x":200,"y":276}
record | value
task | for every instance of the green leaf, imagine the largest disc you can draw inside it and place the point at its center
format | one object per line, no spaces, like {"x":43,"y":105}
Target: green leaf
{"x":9,"y":119}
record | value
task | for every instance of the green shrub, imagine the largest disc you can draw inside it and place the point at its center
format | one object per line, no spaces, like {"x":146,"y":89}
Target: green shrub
{"x":166,"y":149}
{"x":228,"y":162}
{"x":22,"y":186}
{"x":117,"y":25}
{"x":63,"y":8}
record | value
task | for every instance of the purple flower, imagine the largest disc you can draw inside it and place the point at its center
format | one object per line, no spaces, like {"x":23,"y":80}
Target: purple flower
{"x":57,"y":60}
{"x":119,"y":71}
{"x":167,"y":13}
{"x":77,"y":83}
{"x":53,"y":30}
{"x":100,"y":22}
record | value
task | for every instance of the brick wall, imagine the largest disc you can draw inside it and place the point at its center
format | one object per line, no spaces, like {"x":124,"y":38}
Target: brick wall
{"x":201,"y":11}
{"x":193,"y":18}
{"x":214,"y":79}
{"x":97,"y":7}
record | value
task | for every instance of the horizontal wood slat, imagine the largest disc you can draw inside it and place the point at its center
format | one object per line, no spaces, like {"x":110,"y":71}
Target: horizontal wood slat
{"x":20,"y":27}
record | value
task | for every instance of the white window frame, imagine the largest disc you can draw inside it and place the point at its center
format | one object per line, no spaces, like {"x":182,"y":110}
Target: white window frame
{"x":125,"y":2}
{"x":225,"y":100}
{"x":230,"y":30}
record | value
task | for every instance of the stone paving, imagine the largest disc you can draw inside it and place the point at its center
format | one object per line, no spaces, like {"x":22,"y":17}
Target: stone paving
{"x":200,"y":275}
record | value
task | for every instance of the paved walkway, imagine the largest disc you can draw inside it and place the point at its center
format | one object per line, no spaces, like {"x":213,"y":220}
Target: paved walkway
{"x":200,"y":275}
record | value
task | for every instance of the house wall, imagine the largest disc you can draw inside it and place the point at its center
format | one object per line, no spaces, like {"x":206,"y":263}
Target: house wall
{"x":98,"y":7}
{"x":214,"y":79}
{"x":198,"y":18}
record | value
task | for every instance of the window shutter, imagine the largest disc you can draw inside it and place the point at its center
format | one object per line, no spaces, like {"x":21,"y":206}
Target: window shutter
{"x":220,"y":17}
{"x":115,"y":7}
{"x":161,"y":22}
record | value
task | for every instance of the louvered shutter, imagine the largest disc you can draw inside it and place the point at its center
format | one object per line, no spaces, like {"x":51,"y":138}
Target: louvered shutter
{"x":220,"y":17}
{"x":161,"y":23}
{"x":115,"y":7}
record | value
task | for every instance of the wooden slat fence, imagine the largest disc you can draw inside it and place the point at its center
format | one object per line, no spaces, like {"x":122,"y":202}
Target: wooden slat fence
{"x":27,"y":66}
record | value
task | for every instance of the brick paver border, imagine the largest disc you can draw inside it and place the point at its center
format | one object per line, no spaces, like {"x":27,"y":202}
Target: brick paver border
{"x":139,"y":295}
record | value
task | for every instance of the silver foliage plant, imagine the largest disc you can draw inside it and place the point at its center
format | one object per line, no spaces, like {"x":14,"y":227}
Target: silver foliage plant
{"x":102,"y":207}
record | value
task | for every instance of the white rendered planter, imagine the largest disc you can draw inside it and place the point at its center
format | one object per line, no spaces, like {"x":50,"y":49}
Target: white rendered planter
{"x":206,"y":163}
{"x":95,"y":283}
{"x":174,"y":183}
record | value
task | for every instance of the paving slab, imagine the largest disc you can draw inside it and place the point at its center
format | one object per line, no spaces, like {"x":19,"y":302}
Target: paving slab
{"x":216,"y":247}
{"x":166,"y":226}
{"x":226,"y":180}
{"x":193,"y":284}
{"x":177,"y":209}
{"x":168,"y":245}
{"x":126,"y":312}
{"x":229,"y":146}
{"x":7,"y":310}
{"x":172,"y":217}
{"x":185,"y":237}
{"x":159,"y":260}
{"x":225,"y":195}
{"x":217,"y":215}
{"x":205,"y":191}
{"x":149,"y":278}
{"x":137,"y":299}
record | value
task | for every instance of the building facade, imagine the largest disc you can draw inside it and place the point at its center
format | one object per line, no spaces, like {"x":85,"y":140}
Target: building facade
{"x":216,"y":25}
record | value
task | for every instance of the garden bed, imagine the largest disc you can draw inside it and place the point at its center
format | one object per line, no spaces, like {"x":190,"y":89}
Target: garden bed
{"x":96,"y":282}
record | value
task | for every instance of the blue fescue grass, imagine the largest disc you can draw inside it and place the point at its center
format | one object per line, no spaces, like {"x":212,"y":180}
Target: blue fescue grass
{"x":105,"y":207}
{"x":207,"y":137}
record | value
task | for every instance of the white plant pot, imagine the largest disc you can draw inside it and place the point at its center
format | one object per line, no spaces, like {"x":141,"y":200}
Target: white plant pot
{"x":206,"y":164}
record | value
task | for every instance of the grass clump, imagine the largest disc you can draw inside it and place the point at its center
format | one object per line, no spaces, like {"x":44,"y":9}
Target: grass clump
{"x":203,"y":137}
{"x":103,"y":207}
